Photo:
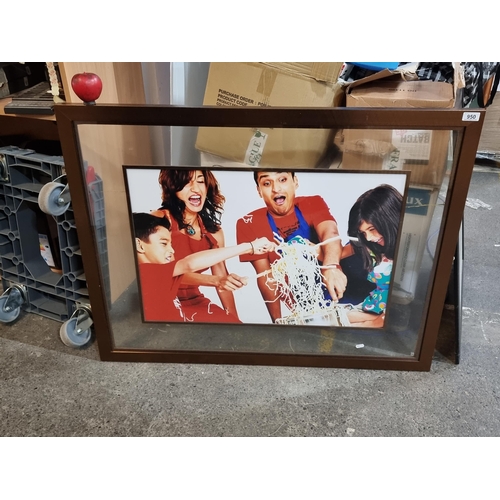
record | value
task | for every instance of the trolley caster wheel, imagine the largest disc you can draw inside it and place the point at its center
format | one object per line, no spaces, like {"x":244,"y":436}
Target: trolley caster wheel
{"x":71,"y":337}
{"x":7,"y":313}
{"x":11,"y":301}
{"x":54,"y":198}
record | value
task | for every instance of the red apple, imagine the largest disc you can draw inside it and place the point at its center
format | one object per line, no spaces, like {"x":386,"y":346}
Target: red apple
{"x":87,"y":86}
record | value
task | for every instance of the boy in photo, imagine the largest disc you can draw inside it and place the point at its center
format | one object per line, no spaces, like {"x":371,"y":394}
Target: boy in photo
{"x":159,"y":273}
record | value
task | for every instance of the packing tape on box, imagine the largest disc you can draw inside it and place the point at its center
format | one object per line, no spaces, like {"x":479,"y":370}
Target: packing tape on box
{"x":324,"y":72}
{"x":369,"y":147}
{"x":266,"y":83}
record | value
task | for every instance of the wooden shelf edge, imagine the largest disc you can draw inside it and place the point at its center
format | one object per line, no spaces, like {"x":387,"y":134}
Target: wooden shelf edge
{"x":7,"y":100}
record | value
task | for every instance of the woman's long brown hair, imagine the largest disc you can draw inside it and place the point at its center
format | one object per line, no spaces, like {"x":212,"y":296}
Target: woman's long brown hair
{"x":173,"y":180}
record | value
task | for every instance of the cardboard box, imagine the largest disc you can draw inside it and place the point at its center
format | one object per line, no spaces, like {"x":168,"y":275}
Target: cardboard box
{"x":420,"y":205}
{"x":270,"y":84}
{"x":208,"y":160}
{"x":423,"y":152}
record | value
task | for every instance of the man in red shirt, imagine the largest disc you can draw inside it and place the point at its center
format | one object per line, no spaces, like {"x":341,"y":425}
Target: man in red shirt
{"x":291,"y":216}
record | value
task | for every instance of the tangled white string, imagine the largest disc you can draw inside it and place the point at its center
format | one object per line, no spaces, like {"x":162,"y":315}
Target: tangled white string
{"x":297,"y":277}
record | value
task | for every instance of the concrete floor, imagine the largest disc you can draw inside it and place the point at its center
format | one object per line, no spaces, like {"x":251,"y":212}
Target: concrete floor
{"x":48,"y":389}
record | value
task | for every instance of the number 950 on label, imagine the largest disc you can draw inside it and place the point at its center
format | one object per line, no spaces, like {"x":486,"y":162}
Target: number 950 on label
{"x":469,"y":116}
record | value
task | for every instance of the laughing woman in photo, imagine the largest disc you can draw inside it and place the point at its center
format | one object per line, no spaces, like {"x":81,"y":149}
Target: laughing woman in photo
{"x":193,"y":203}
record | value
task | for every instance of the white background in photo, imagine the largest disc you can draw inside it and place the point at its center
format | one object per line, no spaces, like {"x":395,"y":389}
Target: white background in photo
{"x":339,"y":189}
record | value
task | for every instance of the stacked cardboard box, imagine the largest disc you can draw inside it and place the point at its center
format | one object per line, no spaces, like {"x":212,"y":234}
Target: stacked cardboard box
{"x":270,"y":84}
{"x":423,"y":152}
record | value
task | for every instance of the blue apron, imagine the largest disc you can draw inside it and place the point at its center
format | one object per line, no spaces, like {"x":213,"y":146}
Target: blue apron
{"x":304,"y":231}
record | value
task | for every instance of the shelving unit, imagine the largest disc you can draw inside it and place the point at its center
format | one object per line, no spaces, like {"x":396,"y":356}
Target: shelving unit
{"x":30,"y":126}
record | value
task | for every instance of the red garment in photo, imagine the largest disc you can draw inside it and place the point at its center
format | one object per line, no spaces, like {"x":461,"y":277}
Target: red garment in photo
{"x":256,"y":224}
{"x":195,"y":306}
{"x":159,"y":292}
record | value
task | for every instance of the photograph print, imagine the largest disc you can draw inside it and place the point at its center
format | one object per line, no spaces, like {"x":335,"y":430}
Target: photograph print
{"x":308,"y":247}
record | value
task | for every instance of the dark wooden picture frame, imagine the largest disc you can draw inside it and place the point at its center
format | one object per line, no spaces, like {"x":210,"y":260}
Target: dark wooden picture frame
{"x":465,"y":127}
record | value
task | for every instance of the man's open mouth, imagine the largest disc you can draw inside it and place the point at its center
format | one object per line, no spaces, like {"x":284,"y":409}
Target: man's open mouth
{"x":279,"y":200}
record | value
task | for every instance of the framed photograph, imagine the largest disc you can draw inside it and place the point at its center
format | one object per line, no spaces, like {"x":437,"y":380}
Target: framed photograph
{"x":304,"y":247}
{"x":317,"y":240}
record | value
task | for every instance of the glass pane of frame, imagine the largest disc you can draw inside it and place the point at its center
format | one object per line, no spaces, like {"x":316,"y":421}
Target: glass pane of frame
{"x":275,"y":245}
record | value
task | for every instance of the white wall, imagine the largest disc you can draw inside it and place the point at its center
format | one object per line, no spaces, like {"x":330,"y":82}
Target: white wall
{"x":157,"y":90}
{"x":181,"y":84}
{"x":188,"y":89}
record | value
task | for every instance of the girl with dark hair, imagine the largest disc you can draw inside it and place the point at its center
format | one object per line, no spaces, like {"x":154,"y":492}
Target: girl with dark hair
{"x":374,"y":221}
{"x":193,"y":203}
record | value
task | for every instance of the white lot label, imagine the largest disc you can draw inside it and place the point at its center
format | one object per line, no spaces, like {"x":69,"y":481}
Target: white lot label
{"x":470,"y":117}
{"x":255,"y":148}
